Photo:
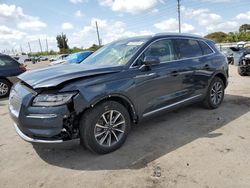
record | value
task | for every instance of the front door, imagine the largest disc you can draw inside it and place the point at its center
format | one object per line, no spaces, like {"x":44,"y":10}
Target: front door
{"x":159,"y":85}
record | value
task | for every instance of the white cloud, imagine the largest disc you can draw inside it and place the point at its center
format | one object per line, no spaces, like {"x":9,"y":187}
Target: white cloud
{"x":109,"y":31}
{"x":78,"y":13}
{"x":243,"y":16}
{"x":130,"y":6}
{"x":171,"y":25}
{"x":77,"y":1}
{"x":67,"y":26}
{"x":204,"y":16}
{"x":12,"y":13}
{"x":227,"y":26}
{"x":34,"y":24}
{"x":7,"y":33}
{"x":12,"y":39}
{"x":210,"y":21}
{"x":218,"y":1}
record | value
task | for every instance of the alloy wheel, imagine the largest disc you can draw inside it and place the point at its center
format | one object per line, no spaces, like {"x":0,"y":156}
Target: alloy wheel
{"x":4,"y":89}
{"x":110,"y":128}
{"x":216,"y":93}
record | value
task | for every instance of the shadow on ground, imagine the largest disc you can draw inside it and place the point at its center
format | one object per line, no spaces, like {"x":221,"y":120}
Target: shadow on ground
{"x":3,"y":101}
{"x":150,"y":140}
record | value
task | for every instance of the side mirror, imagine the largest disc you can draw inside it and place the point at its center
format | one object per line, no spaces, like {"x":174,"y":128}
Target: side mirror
{"x":151,"y":60}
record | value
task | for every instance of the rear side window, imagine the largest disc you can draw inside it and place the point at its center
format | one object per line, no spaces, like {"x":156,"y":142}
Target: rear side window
{"x":189,"y":48}
{"x":205,"y":48}
{"x":6,"y":61}
{"x":163,"y":49}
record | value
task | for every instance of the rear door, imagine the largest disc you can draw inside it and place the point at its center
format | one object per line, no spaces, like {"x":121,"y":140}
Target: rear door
{"x":190,"y":65}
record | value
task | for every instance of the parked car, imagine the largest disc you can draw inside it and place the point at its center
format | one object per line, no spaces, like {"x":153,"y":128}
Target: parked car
{"x":78,"y":57}
{"x":60,"y":57}
{"x":244,"y":63}
{"x":122,"y":83}
{"x":73,"y":58}
{"x":9,"y":70}
{"x":44,"y":59}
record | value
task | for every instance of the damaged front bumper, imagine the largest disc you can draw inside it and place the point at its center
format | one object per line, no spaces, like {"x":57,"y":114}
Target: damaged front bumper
{"x":34,"y":140}
{"x":40,"y":124}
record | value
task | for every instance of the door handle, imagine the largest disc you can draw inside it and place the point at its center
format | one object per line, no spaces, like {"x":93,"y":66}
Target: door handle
{"x":146,"y":75}
{"x":207,"y":67}
{"x":174,"y":73}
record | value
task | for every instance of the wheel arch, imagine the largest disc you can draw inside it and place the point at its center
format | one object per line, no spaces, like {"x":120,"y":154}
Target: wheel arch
{"x":125,"y":101}
{"x":222,"y":77}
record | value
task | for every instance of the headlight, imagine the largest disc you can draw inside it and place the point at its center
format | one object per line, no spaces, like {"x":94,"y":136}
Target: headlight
{"x":52,"y":99}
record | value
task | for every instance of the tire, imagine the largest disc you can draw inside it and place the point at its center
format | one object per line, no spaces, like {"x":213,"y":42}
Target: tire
{"x":96,"y":132}
{"x":4,"y":88}
{"x":215,"y":94}
{"x":242,"y":71}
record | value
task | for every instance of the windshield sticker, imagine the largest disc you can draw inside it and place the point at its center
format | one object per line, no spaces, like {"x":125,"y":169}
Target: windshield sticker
{"x":136,"y":43}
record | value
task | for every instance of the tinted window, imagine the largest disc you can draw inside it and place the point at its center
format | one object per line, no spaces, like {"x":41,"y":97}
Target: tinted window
{"x":189,"y":48}
{"x":7,"y":61}
{"x":205,"y":48}
{"x":163,"y":49}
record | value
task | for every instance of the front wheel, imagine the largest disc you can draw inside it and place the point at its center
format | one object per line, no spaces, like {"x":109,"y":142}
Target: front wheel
{"x":105,"y":127}
{"x":215,"y":94}
{"x":4,"y":88}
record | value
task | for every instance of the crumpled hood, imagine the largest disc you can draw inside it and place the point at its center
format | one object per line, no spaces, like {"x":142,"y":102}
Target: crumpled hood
{"x":55,"y":75}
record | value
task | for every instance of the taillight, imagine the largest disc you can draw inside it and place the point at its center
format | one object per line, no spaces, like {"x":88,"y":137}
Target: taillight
{"x":22,"y":67}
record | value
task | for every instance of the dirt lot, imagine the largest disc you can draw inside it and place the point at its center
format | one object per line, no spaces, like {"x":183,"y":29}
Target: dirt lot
{"x":190,"y":147}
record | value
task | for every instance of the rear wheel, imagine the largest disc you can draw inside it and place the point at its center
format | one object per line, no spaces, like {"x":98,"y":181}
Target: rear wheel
{"x":215,"y":94}
{"x":4,"y":88}
{"x":242,"y":71}
{"x":105,"y":127}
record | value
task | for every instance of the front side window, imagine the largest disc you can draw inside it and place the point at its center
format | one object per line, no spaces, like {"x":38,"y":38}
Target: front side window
{"x":163,"y":49}
{"x":189,"y":48}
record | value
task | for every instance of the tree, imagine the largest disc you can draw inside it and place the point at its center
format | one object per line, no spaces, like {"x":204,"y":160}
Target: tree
{"x":218,"y":37}
{"x":94,"y":47}
{"x":62,"y":43}
{"x":244,"y":28}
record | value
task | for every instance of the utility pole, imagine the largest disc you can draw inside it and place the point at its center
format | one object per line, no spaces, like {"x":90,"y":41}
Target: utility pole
{"x":98,"y":35}
{"x":47,"y":45}
{"x":21,"y":48}
{"x":40,"y":45}
{"x":179,"y":15}
{"x":29,"y":46}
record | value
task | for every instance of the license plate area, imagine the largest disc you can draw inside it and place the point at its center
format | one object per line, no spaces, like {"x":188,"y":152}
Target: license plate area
{"x":14,"y":103}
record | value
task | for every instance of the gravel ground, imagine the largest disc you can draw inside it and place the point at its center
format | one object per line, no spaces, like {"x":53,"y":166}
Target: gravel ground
{"x":190,"y":147}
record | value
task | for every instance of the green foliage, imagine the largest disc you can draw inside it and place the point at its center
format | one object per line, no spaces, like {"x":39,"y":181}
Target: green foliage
{"x":242,"y":35}
{"x":94,"y":47}
{"x":62,"y":43}
{"x":244,"y":28}
{"x":217,"y":36}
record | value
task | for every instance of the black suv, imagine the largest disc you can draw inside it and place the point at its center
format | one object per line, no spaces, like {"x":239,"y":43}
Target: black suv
{"x":9,"y":70}
{"x":120,"y":84}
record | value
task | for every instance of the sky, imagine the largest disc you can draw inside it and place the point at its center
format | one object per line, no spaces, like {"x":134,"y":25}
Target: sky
{"x":27,"y":21}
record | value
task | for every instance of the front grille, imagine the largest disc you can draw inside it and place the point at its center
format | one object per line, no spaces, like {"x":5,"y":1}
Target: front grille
{"x":14,"y":103}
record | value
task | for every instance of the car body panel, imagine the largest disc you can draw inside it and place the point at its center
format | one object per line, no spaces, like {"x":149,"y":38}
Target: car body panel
{"x":10,"y":73}
{"x":146,"y":90}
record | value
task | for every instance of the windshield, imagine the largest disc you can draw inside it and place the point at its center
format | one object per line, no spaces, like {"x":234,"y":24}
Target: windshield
{"x":116,"y":53}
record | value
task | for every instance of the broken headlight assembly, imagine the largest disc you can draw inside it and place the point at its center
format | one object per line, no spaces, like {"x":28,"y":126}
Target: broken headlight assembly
{"x":46,"y":100}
